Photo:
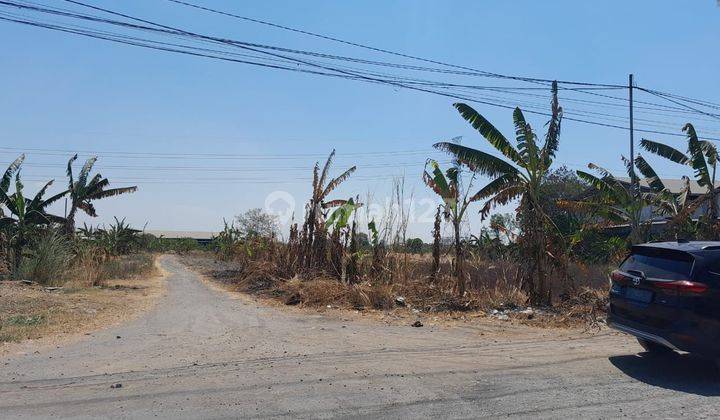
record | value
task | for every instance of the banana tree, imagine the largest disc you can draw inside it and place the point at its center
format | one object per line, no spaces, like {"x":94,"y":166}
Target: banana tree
{"x":678,"y":207}
{"x":318,"y":202}
{"x":615,"y":201}
{"x":85,"y":190}
{"x":447,"y":186}
{"x":340,"y":217}
{"x":345,"y":258}
{"x":702,"y":157}
{"x":519,"y":174}
{"x":26,"y":215}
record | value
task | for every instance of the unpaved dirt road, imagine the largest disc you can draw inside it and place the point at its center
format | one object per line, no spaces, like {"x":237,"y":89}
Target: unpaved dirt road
{"x":203,"y":354}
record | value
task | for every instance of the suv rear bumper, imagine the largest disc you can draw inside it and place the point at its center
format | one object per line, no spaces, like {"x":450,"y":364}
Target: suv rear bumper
{"x":681,"y":335}
{"x":641,"y":334}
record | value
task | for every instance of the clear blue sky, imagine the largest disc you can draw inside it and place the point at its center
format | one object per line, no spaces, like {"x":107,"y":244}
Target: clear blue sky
{"x":65,"y":92}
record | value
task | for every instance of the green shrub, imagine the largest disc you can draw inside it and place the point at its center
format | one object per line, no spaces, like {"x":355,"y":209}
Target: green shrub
{"x":48,"y":259}
{"x":414,"y":245}
{"x":155,"y":244}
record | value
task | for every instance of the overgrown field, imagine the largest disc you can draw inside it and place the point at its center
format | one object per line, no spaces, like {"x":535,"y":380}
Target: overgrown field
{"x":554,"y":252}
{"x":30,"y":310}
{"x":493,"y":290}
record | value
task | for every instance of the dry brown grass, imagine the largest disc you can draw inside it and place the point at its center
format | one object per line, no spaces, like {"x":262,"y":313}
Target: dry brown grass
{"x":492,"y":285}
{"x":34,"y":311}
{"x":90,"y":270}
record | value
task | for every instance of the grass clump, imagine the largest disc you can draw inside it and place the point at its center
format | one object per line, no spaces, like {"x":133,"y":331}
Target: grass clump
{"x":127,"y":266}
{"x":26,"y":320}
{"x":49,"y":260}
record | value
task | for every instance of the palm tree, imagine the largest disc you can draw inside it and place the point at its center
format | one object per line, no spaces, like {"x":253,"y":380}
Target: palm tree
{"x":315,"y":216}
{"x":26,"y":215}
{"x":678,"y":208}
{"x":615,"y":200}
{"x":86,"y":190}
{"x":519,"y":175}
{"x":447,"y":186}
{"x":702,"y":157}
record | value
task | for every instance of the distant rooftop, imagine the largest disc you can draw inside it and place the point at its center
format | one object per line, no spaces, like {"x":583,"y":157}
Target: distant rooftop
{"x":176,"y":234}
{"x":674,"y":185}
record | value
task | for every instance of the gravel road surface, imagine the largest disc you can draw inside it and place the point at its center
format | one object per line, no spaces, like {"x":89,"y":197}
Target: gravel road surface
{"x":202,"y":353}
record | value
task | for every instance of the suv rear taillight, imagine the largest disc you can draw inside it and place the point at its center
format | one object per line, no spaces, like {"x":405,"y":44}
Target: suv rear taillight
{"x":619,"y":277}
{"x":682,"y":287}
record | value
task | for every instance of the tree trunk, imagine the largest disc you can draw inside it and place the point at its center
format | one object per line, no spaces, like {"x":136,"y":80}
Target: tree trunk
{"x":309,"y":246}
{"x":70,"y":222}
{"x":533,"y":244}
{"x":459,"y":272}
{"x":436,"y":246}
{"x":17,"y":251}
{"x":352,"y":268}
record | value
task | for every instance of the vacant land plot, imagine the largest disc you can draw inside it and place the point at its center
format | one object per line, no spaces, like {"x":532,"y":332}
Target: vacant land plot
{"x":204,"y":353}
{"x":31,"y":311}
{"x":417,"y":299}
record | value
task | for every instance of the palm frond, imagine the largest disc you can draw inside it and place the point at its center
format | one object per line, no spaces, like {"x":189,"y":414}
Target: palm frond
{"x":629,"y":167}
{"x":88,"y":208}
{"x":10,"y":171}
{"x":37,"y":200}
{"x":97,"y":178}
{"x":478,"y":161}
{"x":552,"y":137}
{"x":333,"y":203}
{"x":53,"y":199}
{"x":665,"y":151}
{"x":501,"y":198}
{"x":337,"y":181}
{"x":315,"y":183}
{"x":85,"y":171}
{"x":651,"y":177}
{"x":710,"y":151}
{"x":684,"y":193}
{"x":604,"y":172}
{"x":494,"y":187}
{"x":607,"y":189}
{"x":71,"y":182}
{"x":437,"y":181}
{"x":523,"y":136}
{"x":697,"y":157}
{"x":110,"y":193}
{"x":491,"y":134}
{"x":326,"y":168}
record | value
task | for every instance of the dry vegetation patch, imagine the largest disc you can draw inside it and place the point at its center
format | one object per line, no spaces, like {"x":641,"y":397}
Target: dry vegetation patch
{"x":413,"y":297}
{"x":33,"y":311}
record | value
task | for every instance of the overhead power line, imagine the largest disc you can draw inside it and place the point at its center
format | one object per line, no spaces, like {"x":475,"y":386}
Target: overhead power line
{"x":290,"y":63}
{"x":382,"y":50}
{"x":669,"y":98}
{"x":353,"y":75}
{"x":413,"y":57}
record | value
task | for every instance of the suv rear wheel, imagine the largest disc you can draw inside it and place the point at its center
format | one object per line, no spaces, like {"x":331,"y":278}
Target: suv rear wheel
{"x":654,"y":348}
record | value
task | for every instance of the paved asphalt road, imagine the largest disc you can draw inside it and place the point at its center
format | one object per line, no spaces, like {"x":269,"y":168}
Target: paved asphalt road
{"x":203,"y":354}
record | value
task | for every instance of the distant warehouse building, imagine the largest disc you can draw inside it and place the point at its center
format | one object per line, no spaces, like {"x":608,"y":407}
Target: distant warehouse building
{"x":202,"y":238}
